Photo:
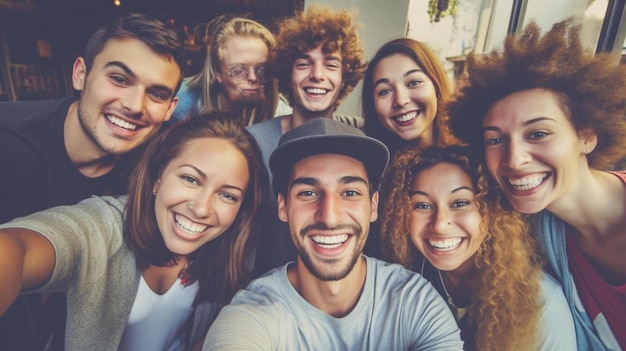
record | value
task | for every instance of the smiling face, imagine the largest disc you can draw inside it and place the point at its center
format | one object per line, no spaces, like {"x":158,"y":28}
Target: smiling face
{"x":215,"y":182}
{"x":444,"y":222}
{"x":532,"y":149}
{"x":405,"y":98}
{"x":126,"y":95}
{"x":329,"y":211}
{"x":316,"y":79}
{"x":244,"y":51}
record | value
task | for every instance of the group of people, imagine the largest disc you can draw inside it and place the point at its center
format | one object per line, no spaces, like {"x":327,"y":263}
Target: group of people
{"x":154,"y":211}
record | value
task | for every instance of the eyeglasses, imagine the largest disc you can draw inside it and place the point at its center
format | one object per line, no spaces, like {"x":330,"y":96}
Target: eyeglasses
{"x":240,"y":73}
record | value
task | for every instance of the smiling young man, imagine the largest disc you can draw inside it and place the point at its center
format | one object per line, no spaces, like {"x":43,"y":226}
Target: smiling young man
{"x":60,"y":152}
{"x":319,"y":60}
{"x":326,"y":174}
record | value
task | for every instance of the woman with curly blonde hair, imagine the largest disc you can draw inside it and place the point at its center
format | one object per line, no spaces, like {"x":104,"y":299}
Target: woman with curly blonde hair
{"x":441,"y":220}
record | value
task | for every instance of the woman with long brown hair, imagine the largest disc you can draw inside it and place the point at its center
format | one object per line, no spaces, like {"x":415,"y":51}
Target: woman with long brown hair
{"x":148,"y":269}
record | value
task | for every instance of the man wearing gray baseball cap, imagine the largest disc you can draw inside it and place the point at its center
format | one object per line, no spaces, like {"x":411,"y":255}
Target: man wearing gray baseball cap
{"x":326,"y":175}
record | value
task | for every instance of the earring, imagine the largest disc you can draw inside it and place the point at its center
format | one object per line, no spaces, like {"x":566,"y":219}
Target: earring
{"x":154,"y":192}
{"x":190,"y":204}
{"x":587,"y":151}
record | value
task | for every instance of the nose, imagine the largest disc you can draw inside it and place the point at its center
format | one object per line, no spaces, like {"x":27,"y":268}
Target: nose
{"x":133,"y":101}
{"x":328,"y":211}
{"x":401,"y":97}
{"x":516,"y":155}
{"x":202,"y":207}
{"x":251,"y":74}
{"x":441,"y":221}
{"x":317,"y":72}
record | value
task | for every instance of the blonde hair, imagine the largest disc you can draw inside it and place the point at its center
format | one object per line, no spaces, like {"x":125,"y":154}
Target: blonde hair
{"x":215,"y":34}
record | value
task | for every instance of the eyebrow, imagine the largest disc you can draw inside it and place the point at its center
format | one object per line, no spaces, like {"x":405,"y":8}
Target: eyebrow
{"x":203,"y":175}
{"x":132,"y":74}
{"x":407,"y":73}
{"x":524,"y":124}
{"x":328,"y":57}
{"x":313,"y":181}
{"x":418,"y":192}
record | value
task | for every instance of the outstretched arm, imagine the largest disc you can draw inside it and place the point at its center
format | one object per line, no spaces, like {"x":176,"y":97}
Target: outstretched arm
{"x":26,"y":260}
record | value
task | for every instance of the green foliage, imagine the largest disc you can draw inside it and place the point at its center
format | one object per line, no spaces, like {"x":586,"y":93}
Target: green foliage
{"x":438,"y":9}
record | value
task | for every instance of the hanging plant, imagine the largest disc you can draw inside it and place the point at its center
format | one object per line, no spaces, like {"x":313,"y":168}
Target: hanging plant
{"x":438,"y":9}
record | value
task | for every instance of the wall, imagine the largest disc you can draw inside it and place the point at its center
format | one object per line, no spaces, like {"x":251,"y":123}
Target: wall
{"x":381,"y":21}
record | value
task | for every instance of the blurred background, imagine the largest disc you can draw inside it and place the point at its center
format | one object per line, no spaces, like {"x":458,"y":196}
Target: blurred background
{"x":39,"y":39}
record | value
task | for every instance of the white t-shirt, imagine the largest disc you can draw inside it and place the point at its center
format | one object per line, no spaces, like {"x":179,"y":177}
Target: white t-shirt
{"x":156,"y":321}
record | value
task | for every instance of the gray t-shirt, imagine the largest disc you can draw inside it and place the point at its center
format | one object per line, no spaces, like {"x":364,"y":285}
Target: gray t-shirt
{"x":397,"y":310}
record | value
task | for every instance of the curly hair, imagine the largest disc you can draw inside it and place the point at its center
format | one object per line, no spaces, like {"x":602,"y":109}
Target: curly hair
{"x":220,"y":265}
{"x":509,"y":270}
{"x":215,"y":35}
{"x":335,"y":30}
{"x":424,"y":57}
{"x":593,"y":86}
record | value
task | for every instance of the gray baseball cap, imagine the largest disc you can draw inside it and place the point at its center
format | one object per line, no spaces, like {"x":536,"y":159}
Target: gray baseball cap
{"x":327,"y":136}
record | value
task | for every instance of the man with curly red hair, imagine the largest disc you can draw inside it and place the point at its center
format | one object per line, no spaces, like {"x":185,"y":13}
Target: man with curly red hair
{"x":319,"y":60}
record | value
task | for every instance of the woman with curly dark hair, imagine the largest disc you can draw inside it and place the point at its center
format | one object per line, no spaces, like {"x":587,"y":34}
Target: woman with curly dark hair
{"x":441,"y":220}
{"x":550,"y":120}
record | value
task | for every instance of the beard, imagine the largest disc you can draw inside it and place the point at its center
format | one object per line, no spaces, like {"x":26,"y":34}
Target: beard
{"x":239,"y":100}
{"x":330,"y":269}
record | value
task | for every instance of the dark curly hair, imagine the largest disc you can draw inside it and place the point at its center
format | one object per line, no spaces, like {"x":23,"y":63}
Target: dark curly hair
{"x":336,"y":30}
{"x":593,"y":86}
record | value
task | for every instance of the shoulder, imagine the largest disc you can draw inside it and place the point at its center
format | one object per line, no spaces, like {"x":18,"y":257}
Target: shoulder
{"x":266,"y":126}
{"x":269,"y":289}
{"x":620,"y":174}
{"x":267,"y":133}
{"x":551,"y":291}
{"x":394,"y":280}
{"x":20,"y":113}
{"x":556,"y":322}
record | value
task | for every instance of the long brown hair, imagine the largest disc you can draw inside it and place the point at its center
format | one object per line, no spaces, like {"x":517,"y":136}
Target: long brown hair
{"x":220,"y":266}
{"x":423,"y":56}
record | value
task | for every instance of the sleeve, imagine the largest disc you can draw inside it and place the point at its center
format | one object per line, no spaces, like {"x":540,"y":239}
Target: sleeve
{"x":81,"y":234}
{"x":242,"y":327}
{"x":433,"y":326}
{"x":556,"y":323}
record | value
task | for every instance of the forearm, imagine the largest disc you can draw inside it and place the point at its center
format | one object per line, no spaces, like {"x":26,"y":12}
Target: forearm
{"x":26,"y":259}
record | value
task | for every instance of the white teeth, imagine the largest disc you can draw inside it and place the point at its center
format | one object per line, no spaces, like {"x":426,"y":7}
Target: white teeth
{"x":188,"y":225}
{"x":121,"y":123}
{"x":330,"y":241}
{"x":527,"y":183}
{"x":447,"y":244}
{"x":406,"y":117}
{"x":316,"y":91}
